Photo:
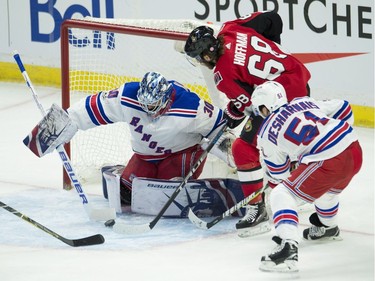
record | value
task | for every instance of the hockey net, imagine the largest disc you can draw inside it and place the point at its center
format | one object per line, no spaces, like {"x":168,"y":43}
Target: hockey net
{"x":101,"y":54}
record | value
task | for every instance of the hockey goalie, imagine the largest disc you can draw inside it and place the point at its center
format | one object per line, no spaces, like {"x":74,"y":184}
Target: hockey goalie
{"x":169,"y":128}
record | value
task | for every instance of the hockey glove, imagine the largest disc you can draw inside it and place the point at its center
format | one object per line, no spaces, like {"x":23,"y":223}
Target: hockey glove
{"x":54,"y":129}
{"x":233,"y":115}
{"x":223,"y":148}
{"x":294,"y":165}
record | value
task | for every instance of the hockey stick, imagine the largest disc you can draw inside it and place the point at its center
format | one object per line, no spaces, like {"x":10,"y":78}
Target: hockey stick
{"x":94,"y":214}
{"x":87,"y":241}
{"x":141,"y":228}
{"x":207,"y":225}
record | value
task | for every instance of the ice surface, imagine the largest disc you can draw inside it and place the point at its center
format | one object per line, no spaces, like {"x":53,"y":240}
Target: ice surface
{"x":175,"y":249}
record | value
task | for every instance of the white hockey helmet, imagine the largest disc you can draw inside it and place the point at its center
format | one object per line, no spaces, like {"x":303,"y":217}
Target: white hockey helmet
{"x":154,"y":93}
{"x":270,"y":94}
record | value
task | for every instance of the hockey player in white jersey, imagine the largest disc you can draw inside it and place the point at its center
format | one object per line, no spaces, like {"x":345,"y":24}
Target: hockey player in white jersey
{"x":167,"y":124}
{"x":319,"y":136}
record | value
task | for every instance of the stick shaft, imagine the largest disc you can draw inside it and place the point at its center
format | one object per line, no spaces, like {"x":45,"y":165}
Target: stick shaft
{"x":60,"y":149}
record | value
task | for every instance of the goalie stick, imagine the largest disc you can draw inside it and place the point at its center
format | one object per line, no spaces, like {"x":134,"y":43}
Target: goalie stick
{"x":93,"y":214}
{"x":141,"y":228}
{"x":87,"y":241}
{"x":207,"y":225}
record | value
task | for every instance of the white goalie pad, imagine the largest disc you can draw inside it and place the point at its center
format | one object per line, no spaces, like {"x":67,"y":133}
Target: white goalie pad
{"x":54,"y":129}
{"x":206,"y":197}
{"x":111,"y":186}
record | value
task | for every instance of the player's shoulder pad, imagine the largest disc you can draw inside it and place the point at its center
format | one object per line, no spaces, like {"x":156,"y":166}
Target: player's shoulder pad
{"x":184,"y":98}
{"x":130,"y":90}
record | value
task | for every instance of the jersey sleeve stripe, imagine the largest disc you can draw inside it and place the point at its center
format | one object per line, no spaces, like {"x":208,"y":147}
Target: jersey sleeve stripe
{"x":182,"y":113}
{"x":101,"y":110}
{"x":96,"y":111}
{"x":332,"y":137}
{"x":344,"y":113}
{"x":278,"y":169}
{"x":131,"y":103}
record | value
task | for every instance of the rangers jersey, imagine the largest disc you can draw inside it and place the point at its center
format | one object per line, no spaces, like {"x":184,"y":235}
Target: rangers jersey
{"x":183,"y":125}
{"x":305,"y":130}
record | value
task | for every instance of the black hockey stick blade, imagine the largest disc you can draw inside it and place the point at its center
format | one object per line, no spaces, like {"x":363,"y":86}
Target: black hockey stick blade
{"x":87,"y":241}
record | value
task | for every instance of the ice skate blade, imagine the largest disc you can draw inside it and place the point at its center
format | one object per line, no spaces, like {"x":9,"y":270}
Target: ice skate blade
{"x":288,"y":266}
{"x":256,"y":230}
{"x":325,"y":239}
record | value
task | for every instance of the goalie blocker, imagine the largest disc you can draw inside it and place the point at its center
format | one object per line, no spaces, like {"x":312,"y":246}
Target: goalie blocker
{"x":206,"y":197}
{"x":54,"y":129}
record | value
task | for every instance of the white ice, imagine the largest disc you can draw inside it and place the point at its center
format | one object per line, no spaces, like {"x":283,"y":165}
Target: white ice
{"x":175,"y":249}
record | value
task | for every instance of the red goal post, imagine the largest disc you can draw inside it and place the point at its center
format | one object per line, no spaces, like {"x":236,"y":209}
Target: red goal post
{"x":101,"y":54}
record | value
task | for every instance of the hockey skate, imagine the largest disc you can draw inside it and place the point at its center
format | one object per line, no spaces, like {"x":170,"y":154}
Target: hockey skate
{"x":255,"y":221}
{"x":284,"y":257}
{"x":319,"y":231}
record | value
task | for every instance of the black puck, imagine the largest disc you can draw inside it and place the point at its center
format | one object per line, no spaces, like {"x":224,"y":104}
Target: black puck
{"x":109,"y":223}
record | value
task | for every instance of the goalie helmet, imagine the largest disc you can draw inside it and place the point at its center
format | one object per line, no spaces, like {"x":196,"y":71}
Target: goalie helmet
{"x":270,"y":94}
{"x":201,"y":44}
{"x":154,"y":93}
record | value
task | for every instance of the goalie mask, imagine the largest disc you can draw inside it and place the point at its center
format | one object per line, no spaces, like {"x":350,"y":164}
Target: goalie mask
{"x":270,"y":94}
{"x":154,"y":94}
{"x":203,"y":46}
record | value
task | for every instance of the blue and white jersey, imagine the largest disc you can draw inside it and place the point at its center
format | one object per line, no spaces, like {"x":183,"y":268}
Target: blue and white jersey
{"x":307,"y":131}
{"x":183,"y":125}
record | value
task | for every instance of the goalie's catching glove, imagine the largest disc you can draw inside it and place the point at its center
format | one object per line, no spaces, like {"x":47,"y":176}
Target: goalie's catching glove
{"x":233,"y":115}
{"x":223,"y":148}
{"x":54,"y":129}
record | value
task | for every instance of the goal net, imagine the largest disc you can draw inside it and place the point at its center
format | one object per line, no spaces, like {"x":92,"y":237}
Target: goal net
{"x":101,"y":54}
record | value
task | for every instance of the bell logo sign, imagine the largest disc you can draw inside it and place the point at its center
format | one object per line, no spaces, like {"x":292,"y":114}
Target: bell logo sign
{"x":47,"y":10}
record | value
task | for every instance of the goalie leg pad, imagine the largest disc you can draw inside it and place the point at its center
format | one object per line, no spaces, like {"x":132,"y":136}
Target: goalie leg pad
{"x":206,"y":197}
{"x":111,"y":186}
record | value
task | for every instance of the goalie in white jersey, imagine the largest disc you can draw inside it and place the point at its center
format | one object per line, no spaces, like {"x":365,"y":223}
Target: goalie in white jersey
{"x":167,"y":125}
{"x":319,"y":136}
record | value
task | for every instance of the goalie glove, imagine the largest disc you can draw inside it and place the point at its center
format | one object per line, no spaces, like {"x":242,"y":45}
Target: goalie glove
{"x":223,"y":148}
{"x":54,"y":129}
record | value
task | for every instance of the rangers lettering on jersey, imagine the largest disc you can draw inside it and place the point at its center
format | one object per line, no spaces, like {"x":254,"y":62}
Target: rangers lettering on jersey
{"x":146,"y":137}
{"x":240,"y":49}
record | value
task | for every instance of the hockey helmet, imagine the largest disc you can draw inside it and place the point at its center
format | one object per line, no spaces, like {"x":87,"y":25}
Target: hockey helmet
{"x":270,"y":94}
{"x":154,"y":93}
{"x":202,"y":42}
